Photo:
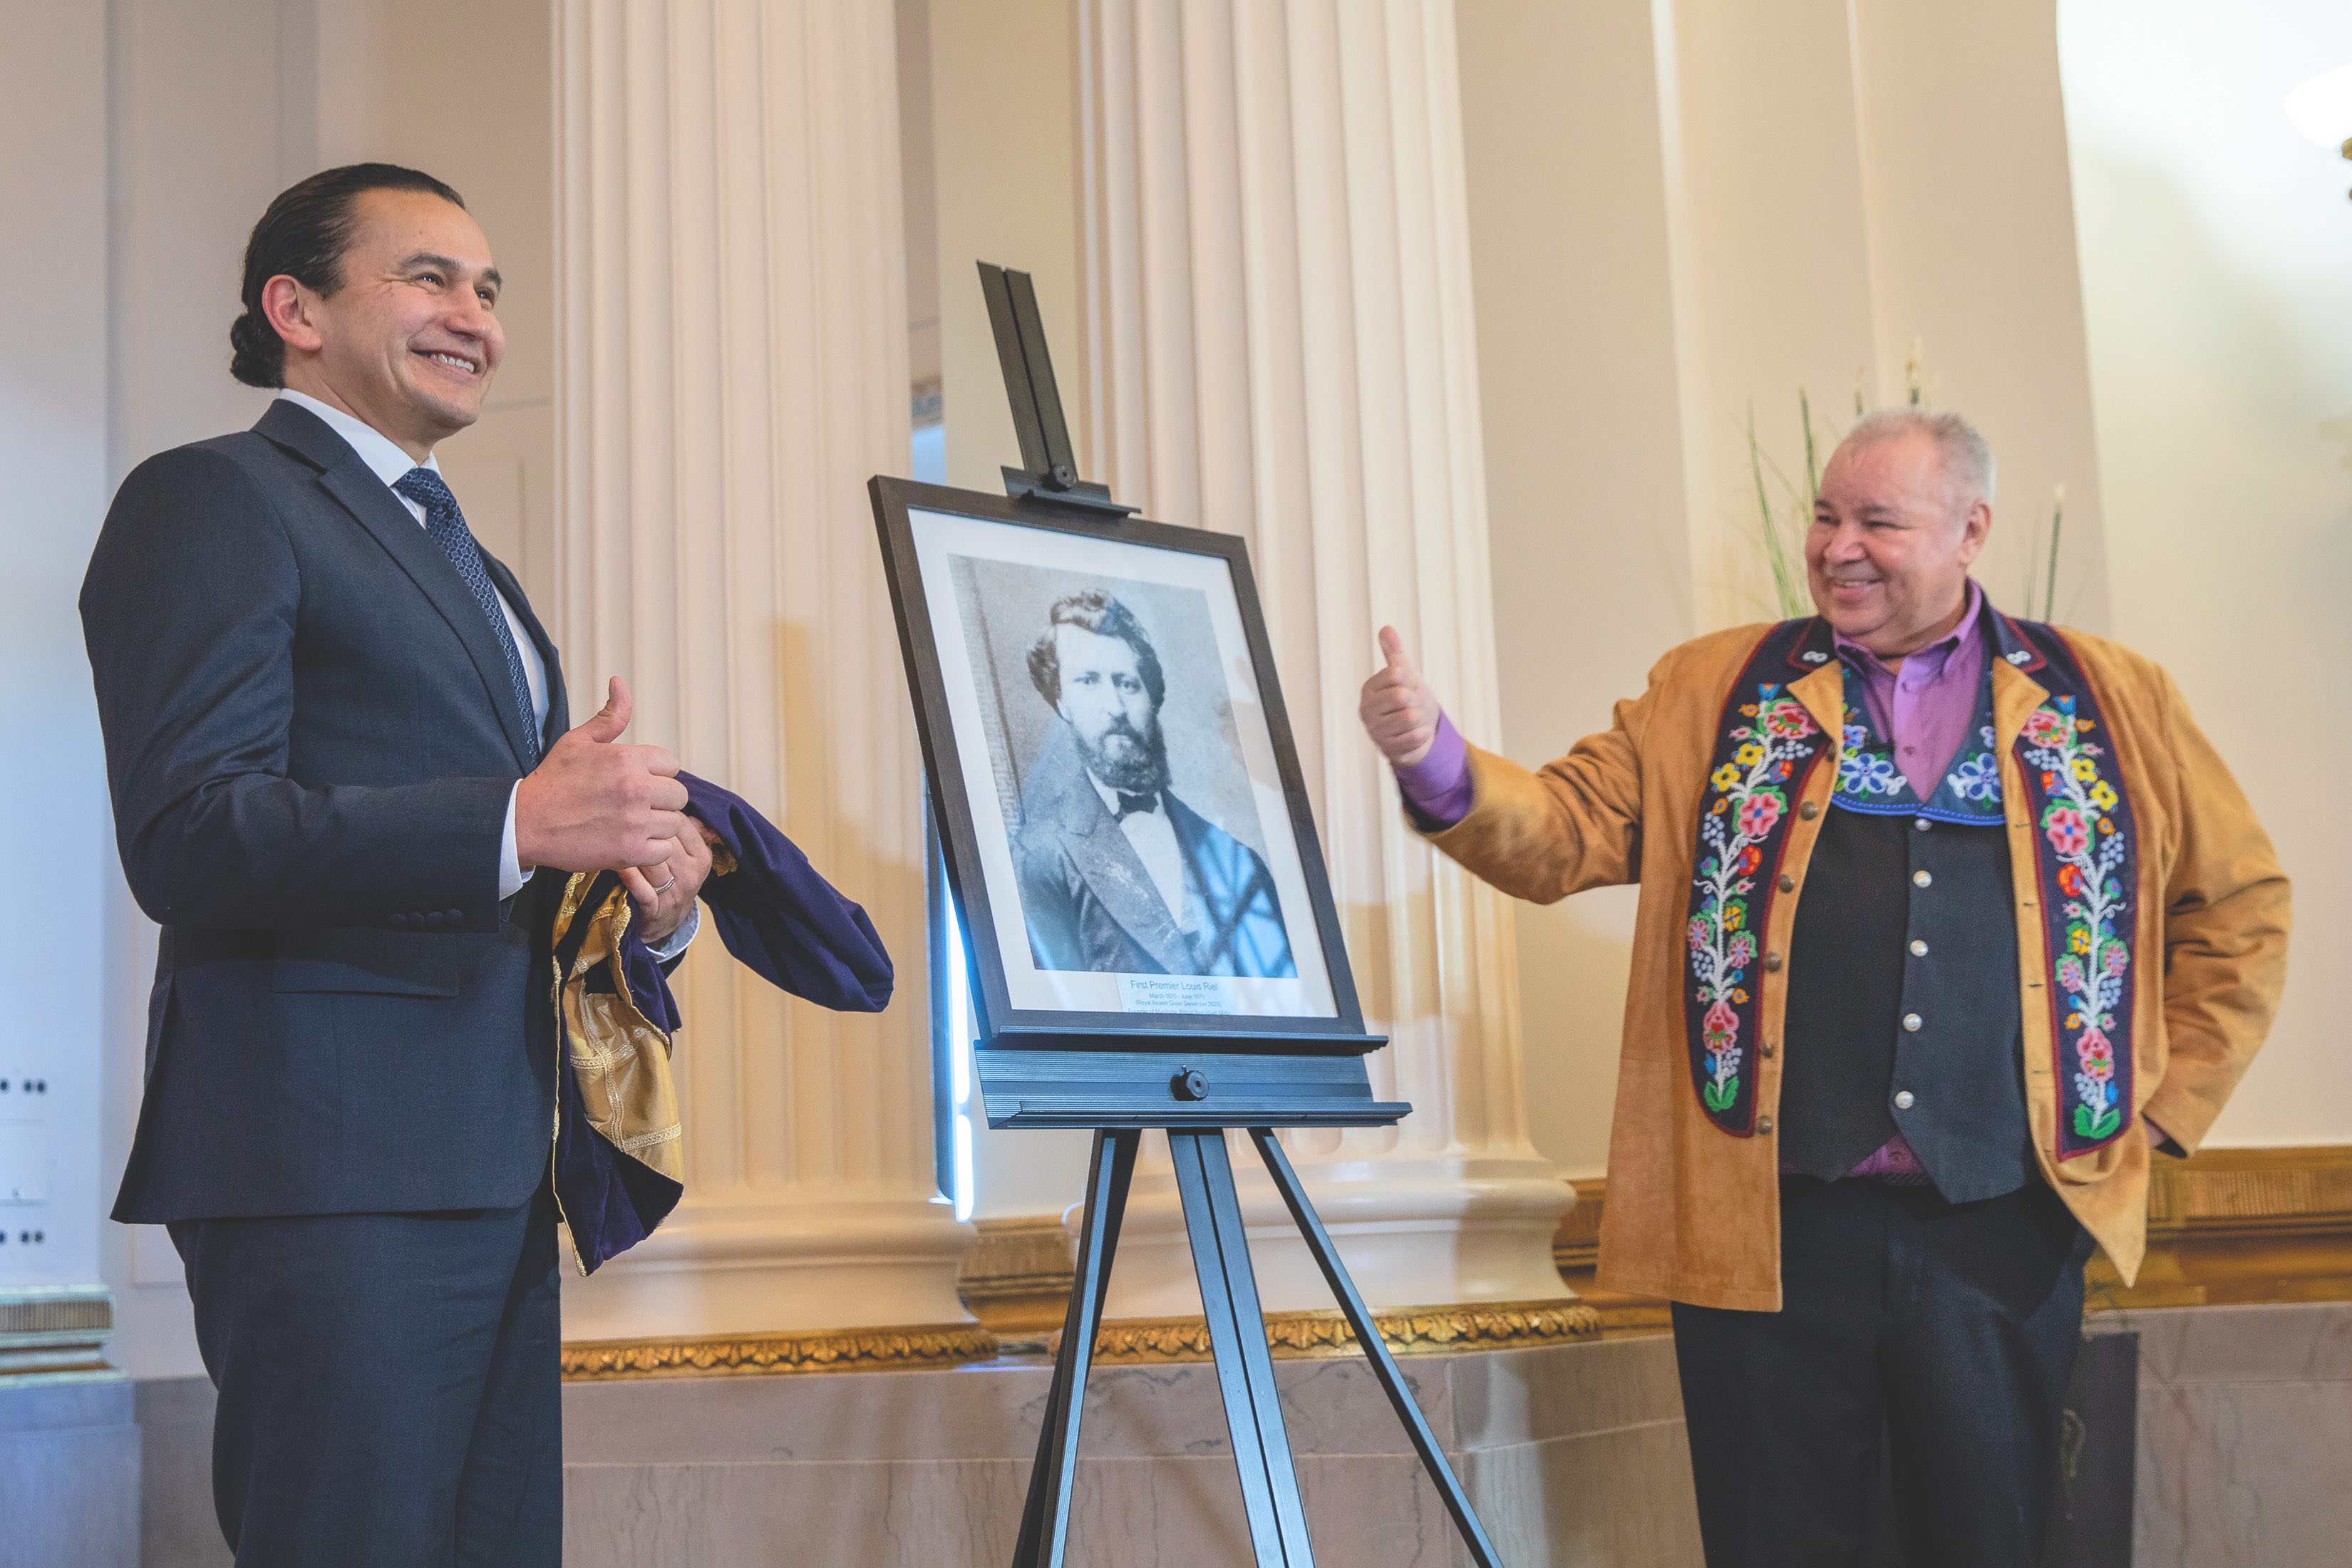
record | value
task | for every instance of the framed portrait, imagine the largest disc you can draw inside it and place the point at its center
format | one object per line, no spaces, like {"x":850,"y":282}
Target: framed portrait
{"x":1126,"y":831}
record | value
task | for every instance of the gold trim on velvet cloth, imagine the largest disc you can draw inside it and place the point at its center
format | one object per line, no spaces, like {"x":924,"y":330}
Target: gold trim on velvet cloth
{"x":819,"y":1350}
{"x":1406,"y":1330}
{"x":620,"y":1057}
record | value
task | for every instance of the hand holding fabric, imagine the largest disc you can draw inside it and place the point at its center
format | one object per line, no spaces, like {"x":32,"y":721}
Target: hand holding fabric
{"x":664,"y":893}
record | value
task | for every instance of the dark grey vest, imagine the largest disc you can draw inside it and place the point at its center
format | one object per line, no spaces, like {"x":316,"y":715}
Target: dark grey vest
{"x":1903,"y":1004}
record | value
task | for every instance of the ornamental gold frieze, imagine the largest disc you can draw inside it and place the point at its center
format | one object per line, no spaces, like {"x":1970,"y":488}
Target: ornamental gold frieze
{"x":1407,"y":1331}
{"x":752,"y":1355}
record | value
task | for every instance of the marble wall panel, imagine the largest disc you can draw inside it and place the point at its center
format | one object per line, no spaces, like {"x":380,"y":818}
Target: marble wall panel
{"x":2245,"y":1435}
{"x":1619,"y":1499}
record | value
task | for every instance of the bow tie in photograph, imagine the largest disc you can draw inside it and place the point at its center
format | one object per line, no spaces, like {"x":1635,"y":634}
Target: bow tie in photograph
{"x":1130,"y":802}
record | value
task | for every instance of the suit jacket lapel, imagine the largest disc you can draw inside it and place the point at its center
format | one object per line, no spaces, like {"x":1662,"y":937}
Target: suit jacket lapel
{"x":371,"y":504}
{"x":1113,"y":872}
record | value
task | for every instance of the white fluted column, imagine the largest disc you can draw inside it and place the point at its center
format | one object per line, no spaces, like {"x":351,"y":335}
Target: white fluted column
{"x":1280,"y":344}
{"x":734,"y":366}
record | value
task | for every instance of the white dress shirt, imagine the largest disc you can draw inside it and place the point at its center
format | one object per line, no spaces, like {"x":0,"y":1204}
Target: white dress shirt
{"x":389,"y":463}
{"x":1154,"y":838}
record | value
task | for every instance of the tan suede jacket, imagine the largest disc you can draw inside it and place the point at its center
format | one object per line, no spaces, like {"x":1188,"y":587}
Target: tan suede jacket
{"x":1693,"y":1213}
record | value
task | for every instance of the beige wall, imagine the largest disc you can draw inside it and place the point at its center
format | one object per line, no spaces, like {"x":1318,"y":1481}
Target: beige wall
{"x":2217,"y":262}
{"x":1585,"y":497}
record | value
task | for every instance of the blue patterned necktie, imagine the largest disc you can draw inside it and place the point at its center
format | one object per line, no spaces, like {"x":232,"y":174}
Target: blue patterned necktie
{"x":446,"y":526}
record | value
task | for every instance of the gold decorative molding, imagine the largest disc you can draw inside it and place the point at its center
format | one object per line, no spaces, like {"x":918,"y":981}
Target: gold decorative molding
{"x":54,"y":1332}
{"x":1406,"y":1330}
{"x":2233,"y":1225}
{"x":2237,"y":1226}
{"x":1016,"y":1277}
{"x":753,"y":1355}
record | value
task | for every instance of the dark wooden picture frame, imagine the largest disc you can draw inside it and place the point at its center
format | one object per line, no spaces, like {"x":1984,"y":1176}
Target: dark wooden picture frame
{"x":1001,"y":1024}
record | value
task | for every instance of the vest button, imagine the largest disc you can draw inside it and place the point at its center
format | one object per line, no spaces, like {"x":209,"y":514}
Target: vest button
{"x":1810,"y":810}
{"x":1773,"y":962}
{"x":1767,"y":1049}
{"x":1921,"y":823}
{"x":1788,"y":883}
{"x":1911,"y":1022}
{"x":1921,"y":877}
{"x":1903,"y":1101}
{"x":1919,"y":948}
{"x":1764,"y":1124}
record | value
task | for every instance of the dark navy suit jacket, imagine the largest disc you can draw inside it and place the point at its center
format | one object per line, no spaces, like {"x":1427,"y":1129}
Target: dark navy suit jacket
{"x":310,"y":739}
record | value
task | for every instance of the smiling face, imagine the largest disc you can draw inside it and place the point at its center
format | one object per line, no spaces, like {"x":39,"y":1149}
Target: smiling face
{"x":1106,"y":702}
{"x":411,"y":339}
{"x":1889,"y":553}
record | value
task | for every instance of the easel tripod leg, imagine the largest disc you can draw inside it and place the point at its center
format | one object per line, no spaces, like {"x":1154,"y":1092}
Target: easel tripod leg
{"x":1212,"y":1221}
{"x":1384,"y":1367}
{"x":1045,"y":1518}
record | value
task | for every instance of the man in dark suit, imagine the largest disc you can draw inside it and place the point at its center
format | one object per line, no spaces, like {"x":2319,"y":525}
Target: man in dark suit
{"x":1117,"y":874}
{"x":328,"y":717}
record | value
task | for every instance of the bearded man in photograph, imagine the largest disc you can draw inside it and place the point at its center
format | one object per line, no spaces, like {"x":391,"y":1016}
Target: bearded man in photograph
{"x":1117,"y":873}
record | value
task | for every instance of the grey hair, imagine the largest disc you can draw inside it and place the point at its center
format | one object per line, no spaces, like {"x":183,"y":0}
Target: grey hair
{"x":1966,"y":457}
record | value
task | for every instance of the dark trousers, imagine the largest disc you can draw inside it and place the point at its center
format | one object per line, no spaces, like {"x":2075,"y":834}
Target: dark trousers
{"x":389,"y":1393}
{"x":1929,"y":1339}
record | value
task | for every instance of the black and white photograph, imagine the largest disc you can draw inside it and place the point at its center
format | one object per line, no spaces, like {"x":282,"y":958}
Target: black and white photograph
{"x":1136,"y":851}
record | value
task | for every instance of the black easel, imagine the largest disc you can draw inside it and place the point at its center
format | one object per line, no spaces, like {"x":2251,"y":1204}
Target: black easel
{"x":1273,"y":1091}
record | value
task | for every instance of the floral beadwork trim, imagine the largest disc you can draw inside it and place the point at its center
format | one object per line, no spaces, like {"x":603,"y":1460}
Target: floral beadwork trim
{"x":2083,"y":846}
{"x":1868,"y":780}
{"x":2084,"y":852}
{"x":1766,"y":743}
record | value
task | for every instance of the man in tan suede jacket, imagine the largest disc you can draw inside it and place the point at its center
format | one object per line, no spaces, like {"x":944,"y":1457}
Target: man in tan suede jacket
{"x":1946,"y":919}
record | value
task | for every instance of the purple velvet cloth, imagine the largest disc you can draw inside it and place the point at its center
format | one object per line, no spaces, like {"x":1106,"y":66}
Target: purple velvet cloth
{"x":778,"y":917}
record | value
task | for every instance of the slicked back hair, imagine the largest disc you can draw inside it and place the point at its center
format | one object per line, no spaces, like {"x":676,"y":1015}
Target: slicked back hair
{"x":304,"y":234}
{"x":1094,"y":611}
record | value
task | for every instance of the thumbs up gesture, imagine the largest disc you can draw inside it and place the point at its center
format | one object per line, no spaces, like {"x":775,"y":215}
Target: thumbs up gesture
{"x":1399,"y":708}
{"x":594,"y":804}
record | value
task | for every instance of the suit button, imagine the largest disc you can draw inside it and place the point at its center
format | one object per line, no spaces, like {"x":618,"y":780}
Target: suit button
{"x":400,"y":922}
{"x":1810,"y":810}
{"x":1764,"y":1125}
{"x":1904,"y":1100}
{"x":1773,"y":962}
{"x":455,"y":917}
{"x":1911,"y":1022}
{"x":1788,"y":883}
{"x":1919,"y":948}
{"x":1921,"y":879}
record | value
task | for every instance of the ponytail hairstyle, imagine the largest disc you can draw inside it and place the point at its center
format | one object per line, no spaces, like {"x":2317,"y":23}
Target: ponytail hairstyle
{"x":303,"y":236}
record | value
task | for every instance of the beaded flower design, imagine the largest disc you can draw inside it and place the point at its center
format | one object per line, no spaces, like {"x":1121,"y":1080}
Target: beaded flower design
{"x":2093,"y":968}
{"x":1749,"y":795}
